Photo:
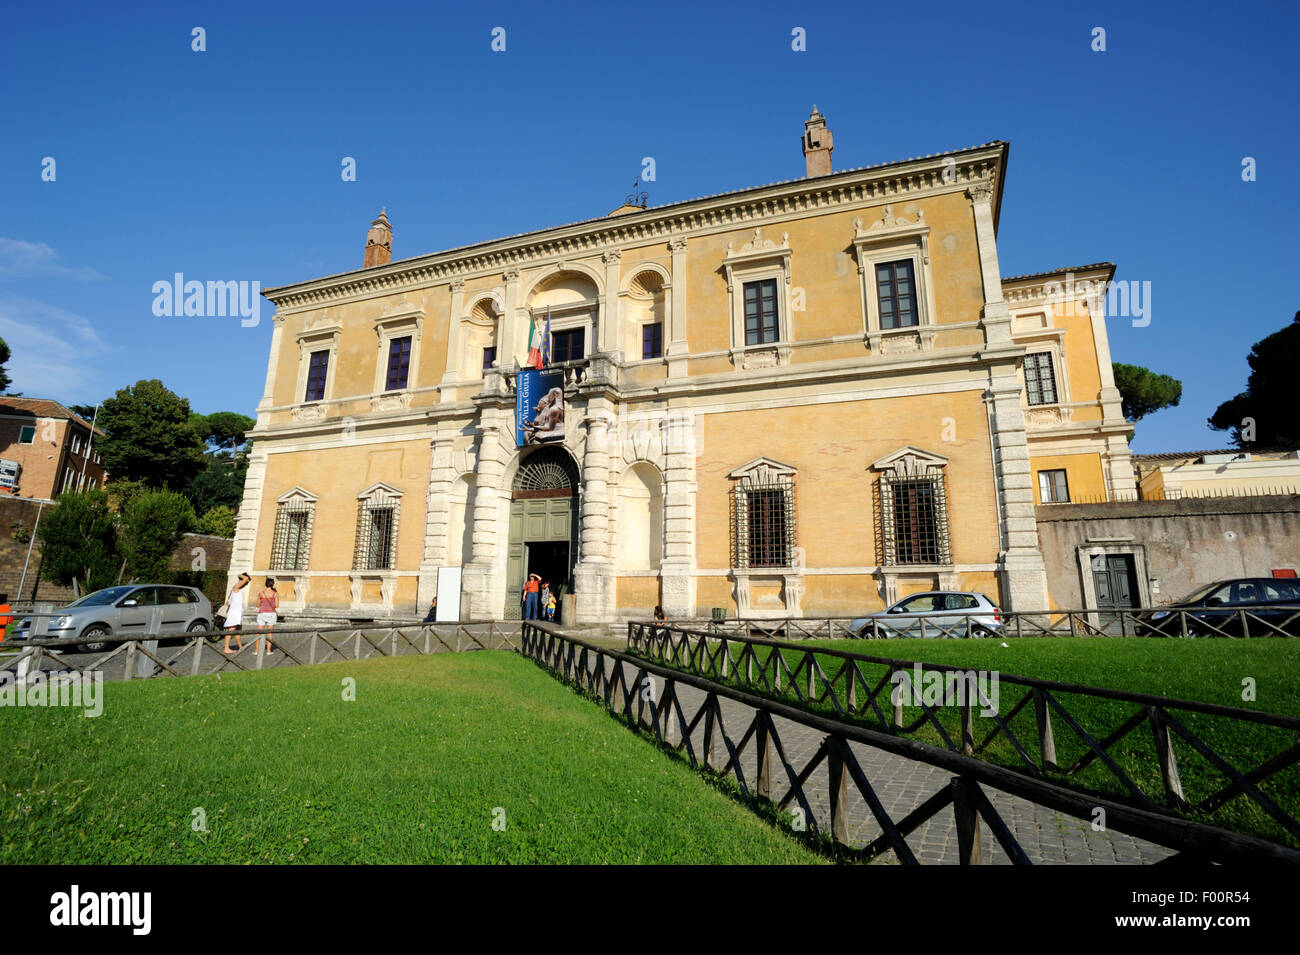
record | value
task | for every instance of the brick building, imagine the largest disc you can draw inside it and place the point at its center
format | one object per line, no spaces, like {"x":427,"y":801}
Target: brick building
{"x":51,"y":446}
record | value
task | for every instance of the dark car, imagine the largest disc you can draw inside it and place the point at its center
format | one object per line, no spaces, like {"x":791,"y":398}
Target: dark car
{"x":1246,"y":607}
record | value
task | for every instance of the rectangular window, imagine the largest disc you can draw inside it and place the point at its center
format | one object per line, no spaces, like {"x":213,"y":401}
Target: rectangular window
{"x":69,"y":479}
{"x":27,"y":434}
{"x":379,"y":545}
{"x":767,"y":529}
{"x":1052,"y":487}
{"x":316,"y":371}
{"x":761,"y":319}
{"x":568,"y":346}
{"x":489,"y":356}
{"x":914,"y":519}
{"x":1040,"y":378}
{"x":652,"y":340}
{"x":291,"y":539}
{"x":76,"y":444}
{"x":763,"y":525}
{"x":896,"y":292}
{"x":399,"y":363}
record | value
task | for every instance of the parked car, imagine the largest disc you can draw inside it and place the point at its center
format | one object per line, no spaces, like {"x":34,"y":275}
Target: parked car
{"x":118,"y":613}
{"x":1247,"y":606}
{"x":936,"y":613}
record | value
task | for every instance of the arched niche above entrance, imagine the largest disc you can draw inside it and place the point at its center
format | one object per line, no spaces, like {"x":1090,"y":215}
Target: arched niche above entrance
{"x":549,"y":471}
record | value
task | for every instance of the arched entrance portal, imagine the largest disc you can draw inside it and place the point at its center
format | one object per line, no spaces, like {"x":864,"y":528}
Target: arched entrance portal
{"x":543,"y":526}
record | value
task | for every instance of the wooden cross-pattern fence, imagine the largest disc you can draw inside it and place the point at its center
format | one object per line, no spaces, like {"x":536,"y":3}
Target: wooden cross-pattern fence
{"x":837,"y":682}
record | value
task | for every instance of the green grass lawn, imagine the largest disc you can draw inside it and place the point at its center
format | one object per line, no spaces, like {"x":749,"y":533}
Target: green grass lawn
{"x":1210,"y":671}
{"x":411,"y":772}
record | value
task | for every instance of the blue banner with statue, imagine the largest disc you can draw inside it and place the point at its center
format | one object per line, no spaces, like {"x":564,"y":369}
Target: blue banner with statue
{"x":539,"y":407}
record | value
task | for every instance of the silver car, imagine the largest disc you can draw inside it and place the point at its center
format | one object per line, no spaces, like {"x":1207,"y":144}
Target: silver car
{"x":135,"y":610}
{"x":935,"y":613}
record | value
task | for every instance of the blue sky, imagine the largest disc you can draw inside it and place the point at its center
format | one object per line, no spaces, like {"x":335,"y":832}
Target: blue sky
{"x":225,"y":164}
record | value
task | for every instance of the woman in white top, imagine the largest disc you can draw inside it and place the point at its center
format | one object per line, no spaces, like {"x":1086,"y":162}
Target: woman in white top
{"x":235,"y":612}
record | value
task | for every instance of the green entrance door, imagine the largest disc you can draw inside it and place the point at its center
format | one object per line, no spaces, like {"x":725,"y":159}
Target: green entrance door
{"x":543,"y":527}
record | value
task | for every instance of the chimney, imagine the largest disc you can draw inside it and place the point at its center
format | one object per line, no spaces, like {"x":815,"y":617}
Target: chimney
{"x":817,"y":144}
{"x":379,"y":242}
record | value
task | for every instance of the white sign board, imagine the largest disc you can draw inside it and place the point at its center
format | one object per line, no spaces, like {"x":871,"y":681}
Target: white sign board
{"x":448,"y":594}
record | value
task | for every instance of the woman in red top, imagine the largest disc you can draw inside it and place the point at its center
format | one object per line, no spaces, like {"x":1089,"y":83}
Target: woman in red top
{"x":268,"y":601}
{"x":530,"y":597}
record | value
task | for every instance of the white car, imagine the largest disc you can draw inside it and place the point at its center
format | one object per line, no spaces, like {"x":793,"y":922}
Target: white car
{"x":935,"y":613}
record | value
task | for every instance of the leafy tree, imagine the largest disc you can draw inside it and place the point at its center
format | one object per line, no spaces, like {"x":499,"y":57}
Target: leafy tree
{"x":1265,"y":413}
{"x":218,"y":486}
{"x":225,"y":429}
{"x":5,"y":380}
{"x":1143,"y":392}
{"x":149,"y":437}
{"x":220,"y":521}
{"x":79,"y":542}
{"x":121,"y":492}
{"x":86,"y":411}
{"x":152,"y":525}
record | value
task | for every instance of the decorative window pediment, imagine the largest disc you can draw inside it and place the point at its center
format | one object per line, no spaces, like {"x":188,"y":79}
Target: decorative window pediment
{"x":910,"y":461}
{"x":762,"y":314}
{"x":897,"y":285}
{"x":763,"y":472}
{"x":378,"y":490}
{"x":912,"y":508}
{"x":296,"y":494}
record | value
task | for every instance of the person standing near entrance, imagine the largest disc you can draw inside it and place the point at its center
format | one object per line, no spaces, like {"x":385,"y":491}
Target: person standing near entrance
{"x":530,"y":596}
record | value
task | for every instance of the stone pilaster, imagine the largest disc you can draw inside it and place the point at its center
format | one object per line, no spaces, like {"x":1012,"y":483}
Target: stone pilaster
{"x":595,"y":584}
{"x":268,"y":392}
{"x":480,"y":577}
{"x":1119,"y":464}
{"x":996,"y":320}
{"x":677,"y":570}
{"x":1023,"y":572}
{"x":250,"y":509}
{"x":437,"y":517}
{"x":455,"y":339}
{"x":512,"y":338}
{"x":607,"y":332}
{"x":676,"y":348}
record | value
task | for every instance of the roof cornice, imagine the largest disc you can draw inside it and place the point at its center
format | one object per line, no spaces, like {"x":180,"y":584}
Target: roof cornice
{"x":952,"y":171}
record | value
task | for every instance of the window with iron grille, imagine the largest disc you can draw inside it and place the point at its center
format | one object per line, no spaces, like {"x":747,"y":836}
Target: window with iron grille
{"x":763,"y":525}
{"x":291,"y":539}
{"x":1053,"y":487}
{"x":376,"y":546}
{"x":399,"y":363}
{"x":652,"y":340}
{"x":896,"y":292}
{"x":914,"y":519}
{"x":320,"y":363}
{"x":568,"y":346}
{"x":761,"y":319}
{"x":1040,"y":378}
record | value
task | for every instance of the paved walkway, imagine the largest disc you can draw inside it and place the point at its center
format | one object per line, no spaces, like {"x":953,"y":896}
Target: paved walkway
{"x":1046,"y":836}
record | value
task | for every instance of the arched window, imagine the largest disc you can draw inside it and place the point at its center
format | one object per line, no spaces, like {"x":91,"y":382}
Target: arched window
{"x":546,"y":470}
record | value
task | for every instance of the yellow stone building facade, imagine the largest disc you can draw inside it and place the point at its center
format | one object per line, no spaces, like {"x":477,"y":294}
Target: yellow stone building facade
{"x":801,"y":399}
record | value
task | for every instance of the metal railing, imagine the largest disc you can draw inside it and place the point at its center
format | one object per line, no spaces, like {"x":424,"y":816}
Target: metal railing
{"x":698,"y":730}
{"x":1227,"y":621}
{"x":846,"y":685}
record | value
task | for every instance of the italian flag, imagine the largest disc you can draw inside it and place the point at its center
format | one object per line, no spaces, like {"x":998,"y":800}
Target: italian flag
{"x":534,"y":359}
